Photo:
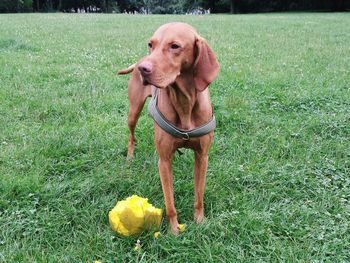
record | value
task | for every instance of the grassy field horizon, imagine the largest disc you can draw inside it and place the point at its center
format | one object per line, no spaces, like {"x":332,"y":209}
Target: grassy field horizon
{"x":278,"y":184}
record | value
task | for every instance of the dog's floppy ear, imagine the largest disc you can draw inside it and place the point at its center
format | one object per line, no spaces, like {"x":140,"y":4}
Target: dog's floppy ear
{"x":206,"y":66}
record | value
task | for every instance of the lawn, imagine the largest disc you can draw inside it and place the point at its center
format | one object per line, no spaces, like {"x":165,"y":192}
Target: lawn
{"x":278,"y":184}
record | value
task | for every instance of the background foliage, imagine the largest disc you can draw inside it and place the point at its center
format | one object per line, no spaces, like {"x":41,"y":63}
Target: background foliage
{"x":172,"y":6}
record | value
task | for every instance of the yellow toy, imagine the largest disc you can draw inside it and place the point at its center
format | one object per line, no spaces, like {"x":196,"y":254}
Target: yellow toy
{"x":134,"y":215}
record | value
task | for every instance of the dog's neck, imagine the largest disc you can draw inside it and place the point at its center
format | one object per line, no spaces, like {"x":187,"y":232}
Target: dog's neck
{"x":183,"y":96}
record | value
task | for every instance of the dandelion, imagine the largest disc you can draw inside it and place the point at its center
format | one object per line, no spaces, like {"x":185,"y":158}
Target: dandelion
{"x":182,"y":227}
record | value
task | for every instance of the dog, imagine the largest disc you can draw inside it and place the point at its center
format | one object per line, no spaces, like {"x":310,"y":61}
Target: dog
{"x":176,"y":74}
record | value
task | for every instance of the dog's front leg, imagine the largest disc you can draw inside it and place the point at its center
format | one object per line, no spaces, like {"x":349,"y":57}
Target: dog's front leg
{"x":200,"y":171}
{"x":166,"y":178}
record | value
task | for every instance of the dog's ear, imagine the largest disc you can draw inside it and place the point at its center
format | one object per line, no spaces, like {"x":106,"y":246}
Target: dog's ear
{"x":206,"y":66}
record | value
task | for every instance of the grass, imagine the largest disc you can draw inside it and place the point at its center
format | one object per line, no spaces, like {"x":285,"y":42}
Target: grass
{"x":278,"y":185}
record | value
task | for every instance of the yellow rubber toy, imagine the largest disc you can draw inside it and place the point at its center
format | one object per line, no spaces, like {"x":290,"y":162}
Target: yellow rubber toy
{"x":134,"y":215}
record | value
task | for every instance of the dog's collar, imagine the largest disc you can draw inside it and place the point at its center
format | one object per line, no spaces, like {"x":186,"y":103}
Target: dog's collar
{"x":163,"y":123}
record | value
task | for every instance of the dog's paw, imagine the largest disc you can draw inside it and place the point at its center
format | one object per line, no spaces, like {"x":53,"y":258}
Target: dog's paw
{"x":198,"y":216}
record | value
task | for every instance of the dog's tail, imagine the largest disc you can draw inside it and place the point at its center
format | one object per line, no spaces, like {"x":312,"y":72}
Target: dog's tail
{"x":126,"y":70}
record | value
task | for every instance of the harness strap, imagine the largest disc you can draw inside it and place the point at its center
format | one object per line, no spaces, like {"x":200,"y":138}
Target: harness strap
{"x":163,"y":123}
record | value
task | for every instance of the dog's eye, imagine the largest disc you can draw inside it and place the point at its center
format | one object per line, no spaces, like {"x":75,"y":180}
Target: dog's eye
{"x":175,"y":46}
{"x":150,"y":45}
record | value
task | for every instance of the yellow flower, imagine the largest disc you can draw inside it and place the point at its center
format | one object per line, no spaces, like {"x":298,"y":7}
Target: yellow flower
{"x":156,"y":234}
{"x":182,"y":227}
{"x":134,"y":215}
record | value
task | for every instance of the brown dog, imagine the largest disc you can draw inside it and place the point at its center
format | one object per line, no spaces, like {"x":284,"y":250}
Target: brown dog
{"x":179,"y":68}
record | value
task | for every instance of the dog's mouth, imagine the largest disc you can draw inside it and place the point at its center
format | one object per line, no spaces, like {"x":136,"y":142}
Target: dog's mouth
{"x":146,"y":81}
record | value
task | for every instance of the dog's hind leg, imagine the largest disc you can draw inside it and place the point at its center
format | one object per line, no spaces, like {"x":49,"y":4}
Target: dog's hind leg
{"x":138,"y":94}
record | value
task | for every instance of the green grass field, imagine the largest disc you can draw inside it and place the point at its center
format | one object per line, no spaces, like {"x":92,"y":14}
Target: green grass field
{"x":278,"y":185}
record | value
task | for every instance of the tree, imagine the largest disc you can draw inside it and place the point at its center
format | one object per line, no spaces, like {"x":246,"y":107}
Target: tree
{"x":15,"y":6}
{"x":232,"y":6}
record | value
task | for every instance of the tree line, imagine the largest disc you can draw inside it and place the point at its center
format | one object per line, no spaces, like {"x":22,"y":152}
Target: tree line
{"x":172,"y":6}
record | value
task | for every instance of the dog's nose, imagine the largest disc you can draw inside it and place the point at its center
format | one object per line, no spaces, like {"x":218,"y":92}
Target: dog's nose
{"x":145,"y":68}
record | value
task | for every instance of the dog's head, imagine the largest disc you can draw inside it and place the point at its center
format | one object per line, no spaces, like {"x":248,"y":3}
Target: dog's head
{"x":176,"y":50}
